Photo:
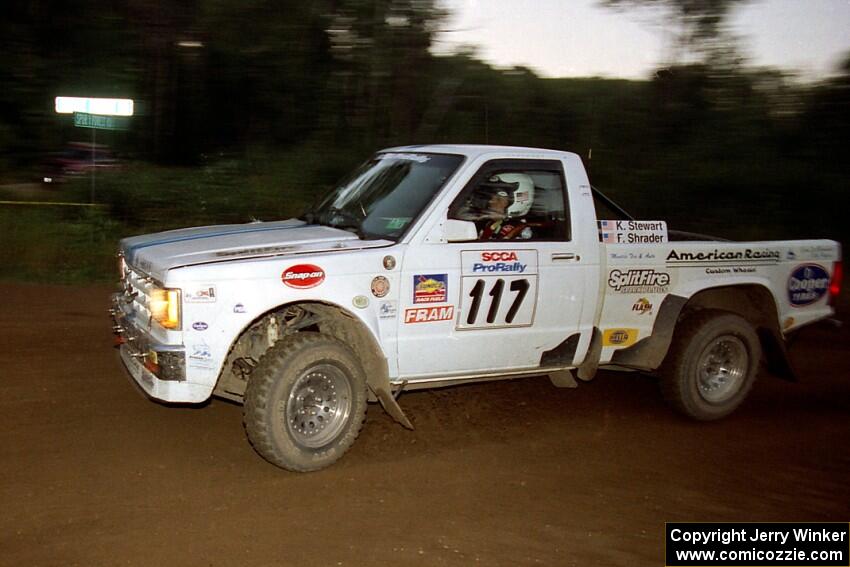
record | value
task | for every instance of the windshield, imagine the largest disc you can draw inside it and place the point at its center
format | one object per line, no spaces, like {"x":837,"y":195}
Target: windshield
{"x":384,"y":195}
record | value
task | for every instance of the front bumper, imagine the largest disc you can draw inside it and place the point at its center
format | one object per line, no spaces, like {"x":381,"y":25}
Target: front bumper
{"x":158,"y":369}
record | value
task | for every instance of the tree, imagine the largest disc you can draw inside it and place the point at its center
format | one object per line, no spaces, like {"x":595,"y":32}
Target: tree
{"x":698,"y":26}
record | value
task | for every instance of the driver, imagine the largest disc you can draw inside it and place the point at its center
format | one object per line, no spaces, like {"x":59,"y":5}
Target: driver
{"x":511,"y":200}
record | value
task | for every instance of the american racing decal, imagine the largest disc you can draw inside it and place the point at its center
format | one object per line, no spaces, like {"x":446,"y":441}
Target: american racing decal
{"x":203,"y":294}
{"x":429,"y":314}
{"x":807,"y":284}
{"x":632,"y":232}
{"x":638,"y":281}
{"x":430,"y":288}
{"x":747,"y":257}
{"x":493,"y":262}
{"x":303,"y":276}
{"x":619,"y":337}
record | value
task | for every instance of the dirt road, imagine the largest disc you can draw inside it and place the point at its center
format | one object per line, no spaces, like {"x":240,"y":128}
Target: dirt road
{"x":510,"y":473}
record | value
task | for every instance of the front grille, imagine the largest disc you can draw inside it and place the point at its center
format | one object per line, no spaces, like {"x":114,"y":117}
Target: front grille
{"x":137,"y":293}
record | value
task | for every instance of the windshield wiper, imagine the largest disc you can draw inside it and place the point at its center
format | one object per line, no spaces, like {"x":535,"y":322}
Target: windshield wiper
{"x":345,"y":220}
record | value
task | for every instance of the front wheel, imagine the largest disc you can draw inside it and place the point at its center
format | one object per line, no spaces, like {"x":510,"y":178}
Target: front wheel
{"x":306,"y":402}
{"x":712,"y":365}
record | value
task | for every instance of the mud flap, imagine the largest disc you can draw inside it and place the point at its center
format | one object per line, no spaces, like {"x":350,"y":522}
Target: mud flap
{"x":384,"y":393}
{"x":588,"y":368}
{"x":776,"y":353}
{"x":563,"y":379}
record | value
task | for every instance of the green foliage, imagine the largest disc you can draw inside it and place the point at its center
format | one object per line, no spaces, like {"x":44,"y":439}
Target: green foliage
{"x":252,"y":109}
{"x":57,"y":245}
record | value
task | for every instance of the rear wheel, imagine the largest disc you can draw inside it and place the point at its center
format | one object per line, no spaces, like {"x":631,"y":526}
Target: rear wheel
{"x":712,"y":365}
{"x":305,"y":402}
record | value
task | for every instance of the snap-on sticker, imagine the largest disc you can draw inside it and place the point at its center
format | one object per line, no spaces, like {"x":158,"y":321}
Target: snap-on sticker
{"x":303,"y":276}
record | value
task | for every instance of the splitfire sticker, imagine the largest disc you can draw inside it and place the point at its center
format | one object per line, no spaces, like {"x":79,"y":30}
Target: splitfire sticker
{"x":644,"y":280}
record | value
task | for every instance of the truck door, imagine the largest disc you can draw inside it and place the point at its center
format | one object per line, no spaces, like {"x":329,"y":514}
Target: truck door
{"x":500,"y":302}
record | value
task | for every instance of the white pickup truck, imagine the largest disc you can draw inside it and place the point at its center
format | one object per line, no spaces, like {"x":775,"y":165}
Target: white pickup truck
{"x":439,"y":265}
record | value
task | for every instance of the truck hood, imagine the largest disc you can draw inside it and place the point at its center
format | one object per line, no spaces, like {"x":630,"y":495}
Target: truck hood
{"x":157,"y":253}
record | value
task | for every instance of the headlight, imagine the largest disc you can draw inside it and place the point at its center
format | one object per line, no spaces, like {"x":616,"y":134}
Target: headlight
{"x":165,"y":307}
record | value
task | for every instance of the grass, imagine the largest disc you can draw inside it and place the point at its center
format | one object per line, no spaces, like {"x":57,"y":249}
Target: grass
{"x":78,"y":245}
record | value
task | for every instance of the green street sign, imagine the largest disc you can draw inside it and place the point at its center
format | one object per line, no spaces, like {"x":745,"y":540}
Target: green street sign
{"x":99,"y":122}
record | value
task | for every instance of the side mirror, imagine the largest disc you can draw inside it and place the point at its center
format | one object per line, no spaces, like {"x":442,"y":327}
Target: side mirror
{"x":459,"y":230}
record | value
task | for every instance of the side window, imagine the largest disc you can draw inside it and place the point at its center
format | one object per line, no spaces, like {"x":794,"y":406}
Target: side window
{"x":508,"y":200}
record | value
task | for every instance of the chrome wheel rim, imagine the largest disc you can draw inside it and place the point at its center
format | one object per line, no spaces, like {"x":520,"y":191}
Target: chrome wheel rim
{"x":722,"y":368}
{"x":319,"y":405}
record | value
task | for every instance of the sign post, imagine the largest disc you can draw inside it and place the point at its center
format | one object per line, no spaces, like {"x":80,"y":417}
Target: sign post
{"x":96,"y":114}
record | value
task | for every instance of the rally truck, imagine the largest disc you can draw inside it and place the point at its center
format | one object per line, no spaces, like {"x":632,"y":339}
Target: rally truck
{"x":441,"y":265}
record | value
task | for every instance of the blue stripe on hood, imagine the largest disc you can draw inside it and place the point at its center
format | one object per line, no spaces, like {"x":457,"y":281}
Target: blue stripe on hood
{"x":131,"y":252}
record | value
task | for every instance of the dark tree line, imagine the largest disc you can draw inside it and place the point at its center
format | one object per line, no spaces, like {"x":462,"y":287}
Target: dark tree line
{"x":743,"y":146}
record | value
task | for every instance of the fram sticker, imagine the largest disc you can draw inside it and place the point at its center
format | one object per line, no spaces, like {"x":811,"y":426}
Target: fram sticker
{"x":807,"y":284}
{"x":619,"y":337}
{"x":202,"y":294}
{"x":429,"y":314}
{"x":430,"y":288}
{"x":303,"y":276}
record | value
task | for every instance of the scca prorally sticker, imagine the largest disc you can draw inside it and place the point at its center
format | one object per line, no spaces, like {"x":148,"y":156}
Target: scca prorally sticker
{"x":495,"y":262}
{"x":430,"y":288}
{"x":429,"y":314}
{"x":303,"y":276}
{"x":200,"y":326}
{"x":638,"y":281}
{"x":807,"y":284}
{"x":201,"y":294}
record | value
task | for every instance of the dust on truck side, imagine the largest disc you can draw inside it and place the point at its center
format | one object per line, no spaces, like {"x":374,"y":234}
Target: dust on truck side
{"x":438,"y":265}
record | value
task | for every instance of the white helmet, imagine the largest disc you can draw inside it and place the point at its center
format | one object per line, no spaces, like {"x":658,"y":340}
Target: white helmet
{"x":523,"y":192}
